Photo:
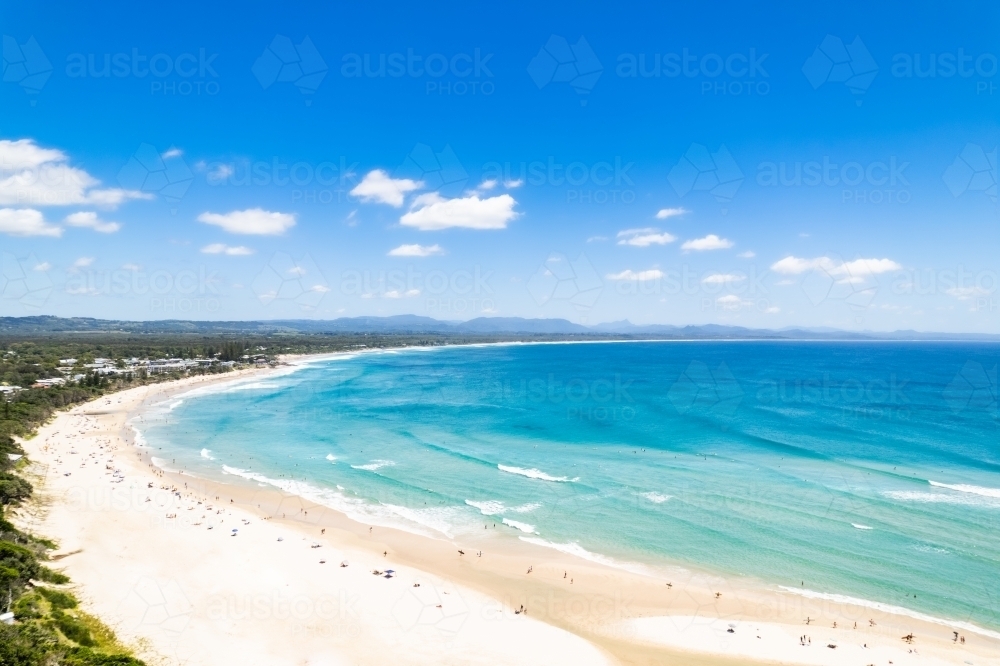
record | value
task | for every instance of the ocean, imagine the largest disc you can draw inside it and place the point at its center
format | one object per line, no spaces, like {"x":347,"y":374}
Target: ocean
{"x":861,"y":470}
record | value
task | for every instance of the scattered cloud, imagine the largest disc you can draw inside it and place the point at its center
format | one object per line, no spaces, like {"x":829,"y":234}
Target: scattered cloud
{"x":253,"y":221}
{"x":172,"y":152}
{"x":850,"y":271}
{"x":82,"y":262}
{"x":723,"y":278}
{"x":432,"y":212}
{"x":43,"y":267}
{"x":641,"y":276}
{"x":665,"y":213}
{"x":416,"y":251}
{"x":967,"y":293}
{"x":486,"y":185}
{"x":131,"y":267}
{"x":89,"y":220}
{"x":395,"y":293}
{"x":39,"y":176}
{"x":644,"y":237}
{"x":597,"y":239}
{"x":513,"y":184}
{"x":352,"y":218}
{"x":709,"y":242}
{"x":26,"y":222}
{"x":379,"y":187}
{"x":749,"y":254}
{"x":229,"y":250}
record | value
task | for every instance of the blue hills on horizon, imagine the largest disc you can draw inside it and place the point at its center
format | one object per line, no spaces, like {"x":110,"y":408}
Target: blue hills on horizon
{"x":485,"y":326}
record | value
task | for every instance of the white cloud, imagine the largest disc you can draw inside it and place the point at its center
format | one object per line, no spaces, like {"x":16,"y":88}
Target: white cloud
{"x":416,"y":251}
{"x":722,"y":278}
{"x":253,"y":221}
{"x":26,"y":222}
{"x":773,"y":309}
{"x":749,"y":254}
{"x":378,"y":186}
{"x":89,"y":220}
{"x":82,"y":262}
{"x":43,"y":267}
{"x":642,"y":276}
{"x":431,"y":212}
{"x":486,"y":185}
{"x":597,"y":239}
{"x":513,"y":184}
{"x":131,"y":267}
{"x":220,"y":172}
{"x":35,"y":176}
{"x":709,"y":242}
{"x":967,"y":293}
{"x":230,"y":250}
{"x":644,"y":237}
{"x":664,"y":213}
{"x":172,"y":152}
{"x":849,"y":271}
{"x":395,"y":293}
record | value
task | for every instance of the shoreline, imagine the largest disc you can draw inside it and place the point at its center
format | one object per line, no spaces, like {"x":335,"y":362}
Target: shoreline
{"x":607,"y":615}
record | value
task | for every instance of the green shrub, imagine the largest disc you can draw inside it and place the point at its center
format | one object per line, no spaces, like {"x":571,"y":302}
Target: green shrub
{"x":72,"y":628}
{"x":59,"y":600}
{"x":49,"y":576}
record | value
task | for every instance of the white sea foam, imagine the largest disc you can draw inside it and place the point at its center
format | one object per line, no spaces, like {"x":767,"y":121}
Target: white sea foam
{"x":174,"y":405}
{"x":207,"y":454}
{"x":496,"y":507}
{"x":137,"y":436}
{"x":577,"y":550}
{"x":965,"y":499}
{"x":488,"y":507}
{"x":374,"y":465}
{"x":524,"y":527}
{"x":535,"y":474}
{"x":331,"y":457}
{"x":162,"y":464}
{"x":965,"y":488}
{"x":426,"y":522}
{"x":657,"y":498}
{"x":860,"y":527}
{"x":894,"y":610}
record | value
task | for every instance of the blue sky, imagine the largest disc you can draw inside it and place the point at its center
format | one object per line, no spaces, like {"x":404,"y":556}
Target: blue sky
{"x":683,"y":164}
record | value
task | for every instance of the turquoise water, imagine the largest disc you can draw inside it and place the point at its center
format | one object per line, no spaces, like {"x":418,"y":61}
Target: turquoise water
{"x":866,"y":470}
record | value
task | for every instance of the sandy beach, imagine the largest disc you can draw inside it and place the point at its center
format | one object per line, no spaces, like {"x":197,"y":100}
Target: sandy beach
{"x":192,"y":571}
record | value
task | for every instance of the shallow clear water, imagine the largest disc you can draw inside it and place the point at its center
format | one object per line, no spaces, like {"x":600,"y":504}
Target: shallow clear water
{"x":868,"y":470}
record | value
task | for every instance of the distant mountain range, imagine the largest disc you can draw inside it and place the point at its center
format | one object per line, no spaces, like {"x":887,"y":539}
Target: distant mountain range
{"x":482,"y":326}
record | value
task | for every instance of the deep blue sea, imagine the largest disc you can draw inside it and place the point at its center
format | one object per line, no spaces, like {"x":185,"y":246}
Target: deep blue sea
{"x":870,"y":470}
